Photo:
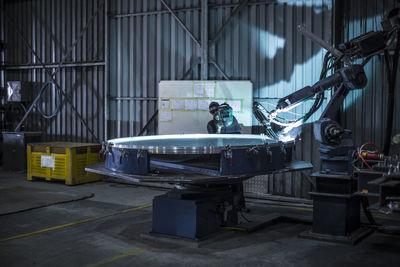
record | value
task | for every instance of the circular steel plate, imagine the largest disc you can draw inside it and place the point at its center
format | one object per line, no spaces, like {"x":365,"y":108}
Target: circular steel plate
{"x":191,"y":143}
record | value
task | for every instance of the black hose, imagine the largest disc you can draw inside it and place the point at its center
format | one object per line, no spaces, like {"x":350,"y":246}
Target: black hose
{"x":365,"y":204}
{"x":58,"y":103}
{"x":391,"y":97}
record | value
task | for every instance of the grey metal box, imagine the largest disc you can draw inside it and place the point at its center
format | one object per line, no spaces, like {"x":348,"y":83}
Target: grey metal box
{"x":14,"y":149}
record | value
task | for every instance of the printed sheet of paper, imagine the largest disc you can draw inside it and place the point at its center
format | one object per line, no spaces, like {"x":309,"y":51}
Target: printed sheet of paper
{"x":203,"y":104}
{"x":165,"y":116}
{"x":177,"y":104}
{"x":47,"y":161}
{"x":190,"y":104}
{"x":236,"y":105}
{"x":210,"y":90}
{"x":164,"y":104}
{"x":198,"y":90}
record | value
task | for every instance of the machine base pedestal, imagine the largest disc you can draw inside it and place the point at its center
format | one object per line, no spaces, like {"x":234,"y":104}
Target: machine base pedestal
{"x":335,"y":214}
{"x":351,"y":239}
{"x":336,"y":209}
{"x":197,"y":212}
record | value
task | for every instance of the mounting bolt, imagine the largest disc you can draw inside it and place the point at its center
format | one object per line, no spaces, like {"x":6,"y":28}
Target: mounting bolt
{"x":283,"y":149}
{"x":124,"y":154}
{"x":268,"y":151}
{"x":140,"y":154}
{"x":228,"y":152}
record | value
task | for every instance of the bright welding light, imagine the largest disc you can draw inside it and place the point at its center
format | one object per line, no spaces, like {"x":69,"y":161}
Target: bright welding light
{"x":274,"y":114}
{"x":288,"y":108}
{"x":288,"y":133}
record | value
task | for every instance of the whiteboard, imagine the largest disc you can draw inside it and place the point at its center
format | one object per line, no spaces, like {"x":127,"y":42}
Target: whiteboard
{"x":183,"y":105}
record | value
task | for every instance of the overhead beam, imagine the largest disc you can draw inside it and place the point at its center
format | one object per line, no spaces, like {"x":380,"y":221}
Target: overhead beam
{"x":212,"y":61}
{"x":234,"y":13}
{"x":210,"y":6}
{"x":195,"y":63}
{"x":53,"y":65}
{"x":180,"y":22}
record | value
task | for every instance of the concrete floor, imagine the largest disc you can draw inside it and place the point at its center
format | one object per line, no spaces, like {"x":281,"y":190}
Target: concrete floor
{"x":94,"y":232}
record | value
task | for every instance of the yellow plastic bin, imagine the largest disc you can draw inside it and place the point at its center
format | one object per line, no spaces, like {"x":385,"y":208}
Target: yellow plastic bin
{"x":62,"y":161}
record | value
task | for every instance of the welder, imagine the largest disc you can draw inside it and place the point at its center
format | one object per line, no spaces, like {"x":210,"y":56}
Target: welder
{"x":223,"y":121}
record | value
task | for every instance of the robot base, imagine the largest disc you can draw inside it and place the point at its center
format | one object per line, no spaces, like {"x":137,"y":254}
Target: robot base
{"x":195,"y":214}
{"x":336,"y":212}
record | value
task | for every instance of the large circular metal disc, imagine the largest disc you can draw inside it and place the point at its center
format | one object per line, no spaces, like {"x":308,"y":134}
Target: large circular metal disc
{"x":190,"y":143}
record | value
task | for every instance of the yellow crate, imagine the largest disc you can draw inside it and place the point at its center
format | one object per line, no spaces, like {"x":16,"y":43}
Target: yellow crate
{"x":65,"y":161}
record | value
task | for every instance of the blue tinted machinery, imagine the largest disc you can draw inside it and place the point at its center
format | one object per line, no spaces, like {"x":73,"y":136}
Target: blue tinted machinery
{"x":208,"y":171}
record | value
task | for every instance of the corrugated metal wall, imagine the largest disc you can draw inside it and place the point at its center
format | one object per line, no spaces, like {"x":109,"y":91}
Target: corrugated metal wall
{"x":51,"y":27}
{"x":262,"y":44}
{"x":365,"y":110}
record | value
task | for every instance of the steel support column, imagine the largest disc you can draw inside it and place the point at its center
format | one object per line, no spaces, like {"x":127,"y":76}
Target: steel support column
{"x":2,"y":46}
{"x":106,"y":70}
{"x":204,"y":39}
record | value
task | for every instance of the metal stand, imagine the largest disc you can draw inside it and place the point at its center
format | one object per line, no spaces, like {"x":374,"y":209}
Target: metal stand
{"x":336,"y":212}
{"x":208,"y":172}
{"x":14,"y":147}
{"x":197,"y":212}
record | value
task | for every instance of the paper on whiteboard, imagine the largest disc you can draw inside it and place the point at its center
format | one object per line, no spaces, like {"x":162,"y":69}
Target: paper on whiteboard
{"x":190,"y":104}
{"x":236,"y":105}
{"x":210,"y":90}
{"x":47,"y":161}
{"x":164,"y":104}
{"x":198,"y":90}
{"x":165,"y":116}
{"x":177,"y":104}
{"x":203,"y":104}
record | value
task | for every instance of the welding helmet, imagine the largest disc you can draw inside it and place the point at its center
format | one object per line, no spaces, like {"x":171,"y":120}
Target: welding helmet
{"x":225,"y":114}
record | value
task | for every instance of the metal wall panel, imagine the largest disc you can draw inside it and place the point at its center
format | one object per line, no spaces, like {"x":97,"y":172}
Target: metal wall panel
{"x":261,"y":44}
{"x":365,"y":110}
{"x":51,"y":27}
{"x":146,"y":46}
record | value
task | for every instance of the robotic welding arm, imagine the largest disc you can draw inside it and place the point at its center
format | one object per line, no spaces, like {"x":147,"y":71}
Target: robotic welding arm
{"x":349,"y":78}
